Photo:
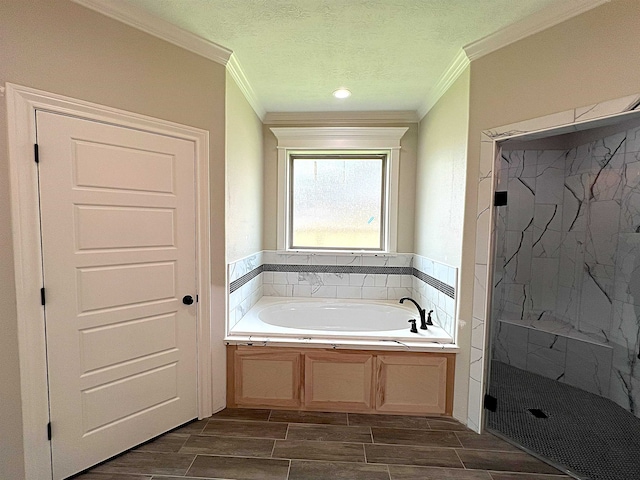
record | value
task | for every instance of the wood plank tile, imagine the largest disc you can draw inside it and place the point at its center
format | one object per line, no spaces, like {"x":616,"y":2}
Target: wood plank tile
{"x":405,"y":436}
{"x":169,"y":442}
{"x":329,"y":433}
{"x":231,"y":446}
{"x":451,"y":425}
{"x":111,"y":476}
{"x":408,"y":455}
{"x":239,"y":468}
{"x":192,"y":428}
{"x":310,"y":450}
{"x":292,"y":416}
{"x":392,"y":421}
{"x":503,"y":461}
{"x":301,"y":470}
{"x":260,"y":415}
{"x":237,"y":428}
{"x":149,"y":463}
{"x":484,"y":441}
{"x":433,"y":473}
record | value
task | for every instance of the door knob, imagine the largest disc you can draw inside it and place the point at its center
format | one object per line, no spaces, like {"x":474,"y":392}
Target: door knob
{"x":187,"y":299}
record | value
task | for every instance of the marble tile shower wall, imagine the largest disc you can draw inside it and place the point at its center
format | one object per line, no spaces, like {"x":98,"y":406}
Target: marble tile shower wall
{"x":568,"y":246}
{"x":392,"y":277}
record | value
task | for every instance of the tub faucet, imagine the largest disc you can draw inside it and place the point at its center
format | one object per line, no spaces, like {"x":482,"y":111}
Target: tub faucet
{"x":421,"y":311}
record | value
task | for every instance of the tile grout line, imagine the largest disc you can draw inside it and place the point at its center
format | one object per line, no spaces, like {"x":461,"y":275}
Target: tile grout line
{"x":464,"y":467}
{"x":189,"y":467}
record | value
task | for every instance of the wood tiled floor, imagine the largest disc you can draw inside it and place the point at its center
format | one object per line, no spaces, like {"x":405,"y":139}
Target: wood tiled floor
{"x":248,"y":444}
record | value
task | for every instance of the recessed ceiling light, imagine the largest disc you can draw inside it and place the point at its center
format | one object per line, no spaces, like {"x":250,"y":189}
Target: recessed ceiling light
{"x":342,"y":93}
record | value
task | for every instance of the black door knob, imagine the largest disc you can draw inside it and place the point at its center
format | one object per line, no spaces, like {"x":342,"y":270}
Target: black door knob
{"x":187,"y":299}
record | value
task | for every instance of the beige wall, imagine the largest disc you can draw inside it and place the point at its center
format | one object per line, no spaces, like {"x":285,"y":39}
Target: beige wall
{"x":407,"y":185}
{"x":440,"y":175}
{"x":585,"y":60}
{"x":440,"y":183}
{"x":245,"y":175}
{"x":61,"y":47}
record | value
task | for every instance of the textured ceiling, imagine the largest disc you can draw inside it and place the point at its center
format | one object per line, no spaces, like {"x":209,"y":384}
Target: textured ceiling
{"x":389,"y":53}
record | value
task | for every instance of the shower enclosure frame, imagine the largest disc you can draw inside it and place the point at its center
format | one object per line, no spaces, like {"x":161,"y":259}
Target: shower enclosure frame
{"x":599,"y":114}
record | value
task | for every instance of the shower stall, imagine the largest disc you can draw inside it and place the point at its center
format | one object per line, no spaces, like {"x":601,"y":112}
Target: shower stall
{"x":565,"y":309}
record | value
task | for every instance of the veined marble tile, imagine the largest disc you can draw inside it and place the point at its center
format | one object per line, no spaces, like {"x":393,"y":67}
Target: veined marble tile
{"x":549,"y":184}
{"x":322,"y":259}
{"x":521,"y":206}
{"x":544,"y":282}
{"x":335,"y":278}
{"x":510,"y":345}
{"x":349,"y":260}
{"x":546,"y":354}
{"x":630,"y":201}
{"x":302,"y":290}
{"x":578,"y":160}
{"x":601,"y":241}
{"x":627,"y":270}
{"x":396,"y":293}
{"x":517,"y":299}
{"x":588,"y":366}
{"x":324,"y":291}
{"x":547,"y":223}
{"x":518,"y":253}
{"x":605,"y":109}
{"x":349,"y":292}
{"x":571,"y":260}
{"x":374,"y":293}
{"x":478,"y":333}
{"x":524,"y":164}
{"x":480,"y":292}
{"x":400,"y":260}
{"x":625,"y":329}
{"x":575,"y":203}
{"x":633,"y":140}
{"x":540,"y":123}
{"x":595,"y":308}
{"x":567,"y":304}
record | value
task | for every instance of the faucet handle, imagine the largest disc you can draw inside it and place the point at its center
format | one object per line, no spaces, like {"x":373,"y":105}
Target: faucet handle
{"x":413,"y":328}
{"x":429,"y":321}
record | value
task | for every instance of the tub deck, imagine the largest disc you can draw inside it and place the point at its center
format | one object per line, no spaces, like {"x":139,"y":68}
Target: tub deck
{"x":252,"y":330}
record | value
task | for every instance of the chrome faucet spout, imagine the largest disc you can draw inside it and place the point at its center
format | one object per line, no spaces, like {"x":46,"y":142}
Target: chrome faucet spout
{"x":421,"y":311}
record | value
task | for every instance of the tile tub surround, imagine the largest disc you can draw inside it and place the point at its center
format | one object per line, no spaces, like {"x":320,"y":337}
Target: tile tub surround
{"x":485,"y":224}
{"x":367,"y":276}
{"x":289,"y":445}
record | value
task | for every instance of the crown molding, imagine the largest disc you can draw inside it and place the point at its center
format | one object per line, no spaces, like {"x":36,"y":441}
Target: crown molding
{"x":341,"y":118}
{"x":534,"y":23}
{"x":142,"y":20}
{"x":236,"y":71}
{"x":450,"y":75}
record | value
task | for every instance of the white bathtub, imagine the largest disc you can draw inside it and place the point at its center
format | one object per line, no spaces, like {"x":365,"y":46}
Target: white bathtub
{"x":335,"y":321}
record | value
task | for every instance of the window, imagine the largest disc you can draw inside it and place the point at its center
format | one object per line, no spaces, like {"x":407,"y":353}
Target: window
{"x":337,"y":201}
{"x":338,"y":188}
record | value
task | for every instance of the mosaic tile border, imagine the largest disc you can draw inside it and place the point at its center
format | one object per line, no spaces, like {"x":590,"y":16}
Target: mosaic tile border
{"x":363,"y":270}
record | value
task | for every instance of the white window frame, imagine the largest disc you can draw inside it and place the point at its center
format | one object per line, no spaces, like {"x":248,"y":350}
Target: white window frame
{"x":313,"y":139}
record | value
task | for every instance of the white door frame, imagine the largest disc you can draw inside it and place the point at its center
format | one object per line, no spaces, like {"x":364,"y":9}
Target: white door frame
{"x":22,"y":103}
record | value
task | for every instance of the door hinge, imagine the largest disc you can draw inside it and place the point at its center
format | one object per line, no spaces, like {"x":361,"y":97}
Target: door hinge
{"x":42,"y":299}
{"x":49,"y":431}
{"x":197,"y":299}
{"x":36,"y":153}
{"x":490,"y":403}
{"x":500,"y":199}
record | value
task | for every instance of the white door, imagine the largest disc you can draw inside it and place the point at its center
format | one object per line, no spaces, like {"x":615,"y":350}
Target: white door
{"x":118,"y":242}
